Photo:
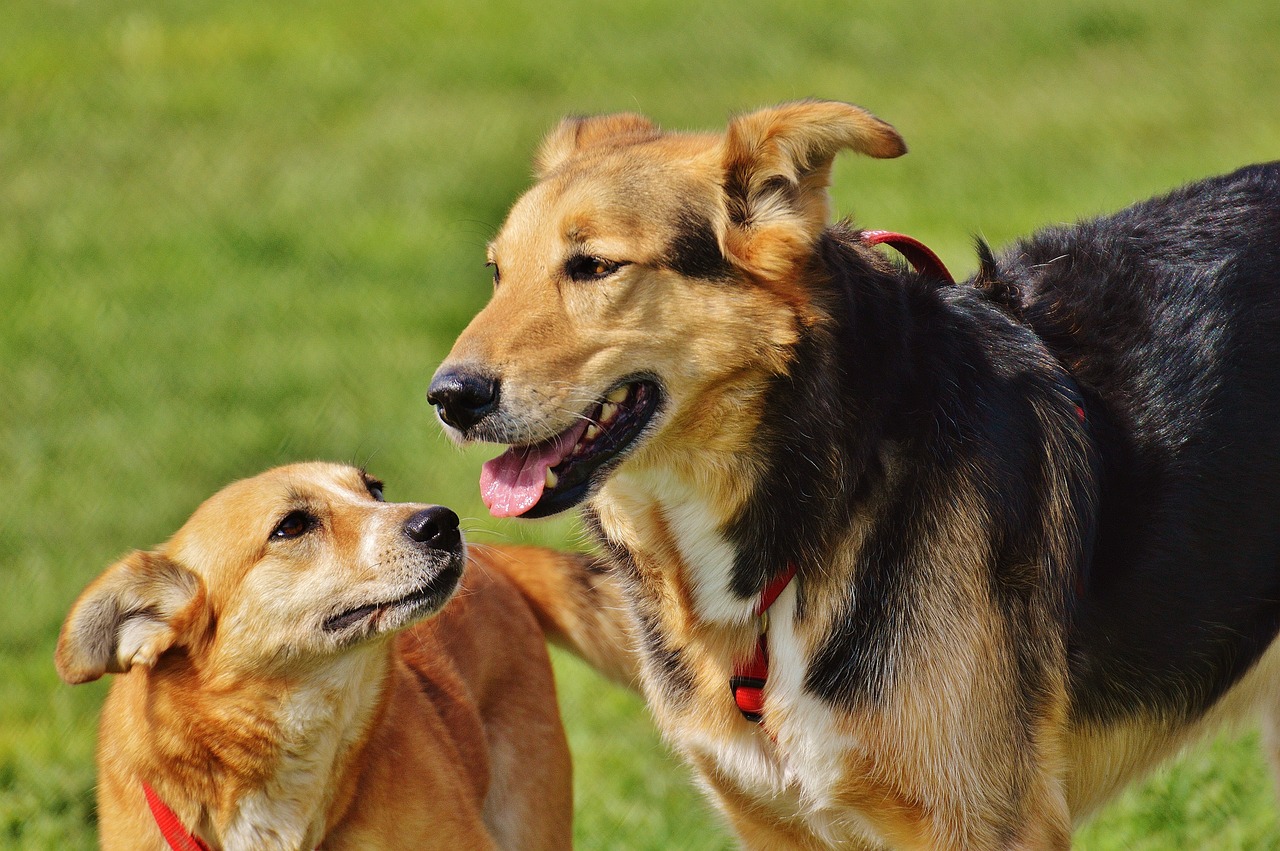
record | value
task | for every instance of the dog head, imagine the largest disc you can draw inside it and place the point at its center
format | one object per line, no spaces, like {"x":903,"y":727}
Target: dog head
{"x":644,"y":290}
{"x":297,"y":563}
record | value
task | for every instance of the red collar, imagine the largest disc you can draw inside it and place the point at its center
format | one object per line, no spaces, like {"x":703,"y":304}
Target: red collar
{"x":177,"y":836}
{"x":919,"y":255}
{"x":747,"y":683}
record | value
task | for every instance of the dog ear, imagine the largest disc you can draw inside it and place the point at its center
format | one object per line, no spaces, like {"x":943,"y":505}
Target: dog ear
{"x":577,"y":133}
{"x":777,"y":167}
{"x":130,"y":615}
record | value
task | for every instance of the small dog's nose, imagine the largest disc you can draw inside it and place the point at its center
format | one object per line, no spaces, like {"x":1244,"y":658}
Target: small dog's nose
{"x":463,"y":398}
{"x":436,"y":527}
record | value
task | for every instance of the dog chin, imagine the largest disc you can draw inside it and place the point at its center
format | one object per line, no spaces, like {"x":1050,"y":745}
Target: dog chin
{"x":389,"y":615}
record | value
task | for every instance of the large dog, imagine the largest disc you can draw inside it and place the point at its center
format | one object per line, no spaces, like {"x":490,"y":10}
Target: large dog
{"x":1032,"y":519}
{"x":269,"y":703}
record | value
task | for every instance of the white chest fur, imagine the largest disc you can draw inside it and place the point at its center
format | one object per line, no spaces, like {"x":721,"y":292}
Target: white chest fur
{"x":317,"y":725}
{"x":707,"y":555}
{"x":795,"y":763}
{"x":795,"y":766}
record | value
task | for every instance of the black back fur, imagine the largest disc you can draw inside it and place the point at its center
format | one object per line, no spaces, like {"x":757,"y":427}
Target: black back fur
{"x":1145,"y":540}
{"x":1168,"y":316}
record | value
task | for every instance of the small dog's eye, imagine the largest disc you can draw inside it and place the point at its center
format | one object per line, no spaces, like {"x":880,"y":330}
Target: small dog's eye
{"x":375,"y":488}
{"x":584,"y":268}
{"x":294,"y":525}
{"x":497,"y":273}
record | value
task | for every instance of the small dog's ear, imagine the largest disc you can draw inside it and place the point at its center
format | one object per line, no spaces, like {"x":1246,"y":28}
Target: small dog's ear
{"x":577,"y":133}
{"x":130,"y":615}
{"x":777,"y":166}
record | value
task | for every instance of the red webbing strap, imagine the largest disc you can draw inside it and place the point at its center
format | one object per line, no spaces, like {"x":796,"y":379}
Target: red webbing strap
{"x":171,"y":828}
{"x":919,"y":255}
{"x":747,"y":683}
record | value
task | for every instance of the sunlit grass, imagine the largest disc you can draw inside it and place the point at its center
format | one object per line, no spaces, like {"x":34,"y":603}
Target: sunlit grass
{"x":235,"y":234}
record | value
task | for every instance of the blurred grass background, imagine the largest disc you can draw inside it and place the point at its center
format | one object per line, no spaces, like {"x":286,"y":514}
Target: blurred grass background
{"x":240,"y":233}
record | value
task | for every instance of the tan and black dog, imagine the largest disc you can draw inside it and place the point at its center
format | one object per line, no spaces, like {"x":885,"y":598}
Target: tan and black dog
{"x":913,"y":565}
{"x":276,"y":694}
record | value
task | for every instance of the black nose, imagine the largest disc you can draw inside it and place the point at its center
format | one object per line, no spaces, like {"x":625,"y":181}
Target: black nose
{"x":463,"y":398}
{"x":436,"y":527}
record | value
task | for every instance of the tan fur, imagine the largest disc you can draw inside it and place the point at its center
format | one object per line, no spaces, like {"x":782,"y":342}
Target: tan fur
{"x":577,"y":603}
{"x":261,"y":731}
{"x":943,"y":764}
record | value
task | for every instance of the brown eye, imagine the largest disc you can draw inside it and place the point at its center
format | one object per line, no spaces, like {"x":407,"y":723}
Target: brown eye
{"x":294,"y":525}
{"x":584,"y":268}
{"x":374,"y":487}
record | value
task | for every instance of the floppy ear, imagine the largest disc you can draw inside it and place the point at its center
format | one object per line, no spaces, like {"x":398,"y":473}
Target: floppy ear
{"x":577,"y":133}
{"x":777,"y":166}
{"x":130,"y":615}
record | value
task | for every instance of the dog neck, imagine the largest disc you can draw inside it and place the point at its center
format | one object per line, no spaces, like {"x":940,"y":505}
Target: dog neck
{"x":721,"y":514}
{"x":260,"y":763}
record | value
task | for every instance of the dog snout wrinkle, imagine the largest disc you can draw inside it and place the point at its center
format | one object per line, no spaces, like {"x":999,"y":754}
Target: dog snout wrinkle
{"x":436,"y":526}
{"x":463,"y":398}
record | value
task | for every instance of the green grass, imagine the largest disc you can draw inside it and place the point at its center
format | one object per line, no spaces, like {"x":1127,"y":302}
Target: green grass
{"x":235,"y":234}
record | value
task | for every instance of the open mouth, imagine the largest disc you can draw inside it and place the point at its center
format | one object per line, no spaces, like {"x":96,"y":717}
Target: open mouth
{"x":399,"y":612}
{"x":541,"y":479}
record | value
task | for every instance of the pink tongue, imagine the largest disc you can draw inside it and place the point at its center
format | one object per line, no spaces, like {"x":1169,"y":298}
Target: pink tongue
{"x":512,"y":483}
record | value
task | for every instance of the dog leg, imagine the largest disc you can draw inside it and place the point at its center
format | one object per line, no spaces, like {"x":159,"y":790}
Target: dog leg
{"x":758,"y":829}
{"x":757,"y":833}
{"x":1047,"y":823}
{"x":1047,"y":831}
{"x":1271,"y":736}
{"x":529,"y":802}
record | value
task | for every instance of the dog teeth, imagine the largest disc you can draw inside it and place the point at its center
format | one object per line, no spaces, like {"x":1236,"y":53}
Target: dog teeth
{"x":592,"y":432}
{"x":607,"y":412}
{"x":552,"y":479}
{"x":618,"y":396}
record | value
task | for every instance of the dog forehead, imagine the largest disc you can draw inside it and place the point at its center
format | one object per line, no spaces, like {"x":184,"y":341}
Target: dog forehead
{"x":236,"y":521}
{"x":285,"y":484}
{"x":631,"y":193}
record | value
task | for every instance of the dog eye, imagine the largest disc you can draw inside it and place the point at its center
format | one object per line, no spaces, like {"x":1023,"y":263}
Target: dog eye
{"x":497,"y":273}
{"x":584,"y":268}
{"x":295,"y":524}
{"x":375,"y":488}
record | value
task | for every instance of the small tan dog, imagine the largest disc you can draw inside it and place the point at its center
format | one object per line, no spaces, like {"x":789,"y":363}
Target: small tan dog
{"x":269,"y":702}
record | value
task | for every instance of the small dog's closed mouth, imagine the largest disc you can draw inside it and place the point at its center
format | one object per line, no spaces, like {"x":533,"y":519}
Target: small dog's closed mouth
{"x":541,"y":479}
{"x":390,"y":615}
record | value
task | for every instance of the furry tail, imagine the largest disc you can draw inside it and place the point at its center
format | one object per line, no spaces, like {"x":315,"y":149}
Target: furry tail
{"x":577,"y":602}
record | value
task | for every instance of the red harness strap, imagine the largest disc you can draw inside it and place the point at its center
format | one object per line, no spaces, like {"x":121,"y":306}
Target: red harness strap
{"x":747,"y":683}
{"x":178,"y":837}
{"x":919,"y":255}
